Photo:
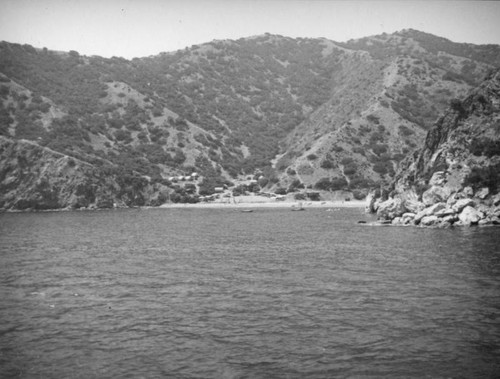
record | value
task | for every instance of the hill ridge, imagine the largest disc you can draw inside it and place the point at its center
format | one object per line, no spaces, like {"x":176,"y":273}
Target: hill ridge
{"x":299,"y":112}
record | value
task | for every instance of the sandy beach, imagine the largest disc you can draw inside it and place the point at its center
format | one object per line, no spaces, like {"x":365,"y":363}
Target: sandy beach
{"x":245,"y":202}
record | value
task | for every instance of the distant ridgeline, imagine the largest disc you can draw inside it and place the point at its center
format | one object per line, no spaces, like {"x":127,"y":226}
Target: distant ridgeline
{"x":292,"y":114}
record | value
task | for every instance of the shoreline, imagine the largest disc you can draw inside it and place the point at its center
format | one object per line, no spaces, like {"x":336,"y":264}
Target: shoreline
{"x":267,"y":204}
{"x":242,"y":203}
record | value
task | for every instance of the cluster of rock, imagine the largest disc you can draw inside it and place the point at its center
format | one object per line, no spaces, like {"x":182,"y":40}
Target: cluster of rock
{"x":461,"y":156}
{"x":439,"y":207}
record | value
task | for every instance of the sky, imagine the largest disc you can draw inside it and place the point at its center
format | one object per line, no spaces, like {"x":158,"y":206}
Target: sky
{"x":138,"y":28}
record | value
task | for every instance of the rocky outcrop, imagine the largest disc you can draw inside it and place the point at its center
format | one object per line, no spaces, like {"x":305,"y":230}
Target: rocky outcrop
{"x":391,"y":209}
{"x":470,"y":216}
{"x":455,"y":178}
{"x":37,"y":178}
{"x":463,"y":212}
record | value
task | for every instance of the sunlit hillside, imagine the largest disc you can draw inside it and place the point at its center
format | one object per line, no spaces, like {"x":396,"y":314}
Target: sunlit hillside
{"x":295,"y":113}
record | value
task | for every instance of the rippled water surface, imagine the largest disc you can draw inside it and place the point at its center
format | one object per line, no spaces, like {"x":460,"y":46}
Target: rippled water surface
{"x":187,"y":293}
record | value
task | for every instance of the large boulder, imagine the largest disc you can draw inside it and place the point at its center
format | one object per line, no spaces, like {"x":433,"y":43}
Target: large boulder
{"x":429,"y":220}
{"x":495,"y":212}
{"x":450,"y":219}
{"x":391,"y":209}
{"x":429,"y":211}
{"x":436,"y":194}
{"x":468,"y":192}
{"x":453,"y":199}
{"x":496,"y":199}
{"x":445,"y":212}
{"x":470,"y":216}
{"x":397,"y":221}
{"x":483,"y":193}
{"x":407,"y":218}
{"x":414,"y":206}
{"x":485,"y":221}
{"x":370,"y":203}
{"x":461,"y":204}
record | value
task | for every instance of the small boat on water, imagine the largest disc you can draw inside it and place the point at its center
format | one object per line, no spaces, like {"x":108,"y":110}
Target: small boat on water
{"x":246,"y":210}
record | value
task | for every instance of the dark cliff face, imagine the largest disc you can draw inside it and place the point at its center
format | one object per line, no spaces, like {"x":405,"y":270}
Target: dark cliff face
{"x":464,"y":143}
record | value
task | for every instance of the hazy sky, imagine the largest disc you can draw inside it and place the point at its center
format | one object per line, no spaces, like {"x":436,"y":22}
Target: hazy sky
{"x":135,"y":28}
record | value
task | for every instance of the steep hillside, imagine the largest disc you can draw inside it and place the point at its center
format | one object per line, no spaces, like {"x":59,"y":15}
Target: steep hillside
{"x":294,"y":112}
{"x":388,"y":91}
{"x":248,"y":93}
{"x":35,"y":177}
{"x":458,"y":168}
{"x":64,"y":103}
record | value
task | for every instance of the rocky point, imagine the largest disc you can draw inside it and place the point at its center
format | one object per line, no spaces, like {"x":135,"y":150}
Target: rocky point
{"x":454,"y":179}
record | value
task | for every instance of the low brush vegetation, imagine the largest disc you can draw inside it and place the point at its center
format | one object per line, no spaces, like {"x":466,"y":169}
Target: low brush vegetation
{"x":481,"y":177}
{"x":227,"y":109}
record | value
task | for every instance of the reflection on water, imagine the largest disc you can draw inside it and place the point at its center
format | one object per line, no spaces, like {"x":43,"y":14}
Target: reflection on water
{"x":217,"y":293}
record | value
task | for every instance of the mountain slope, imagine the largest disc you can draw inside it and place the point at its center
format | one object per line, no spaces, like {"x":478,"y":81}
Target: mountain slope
{"x":297,"y":112}
{"x":386,"y":95}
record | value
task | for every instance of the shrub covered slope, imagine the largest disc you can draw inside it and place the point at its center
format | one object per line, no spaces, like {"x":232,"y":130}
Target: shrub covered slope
{"x":298,"y":112}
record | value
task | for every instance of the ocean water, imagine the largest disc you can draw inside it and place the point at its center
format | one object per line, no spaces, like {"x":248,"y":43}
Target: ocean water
{"x":217,"y":293}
